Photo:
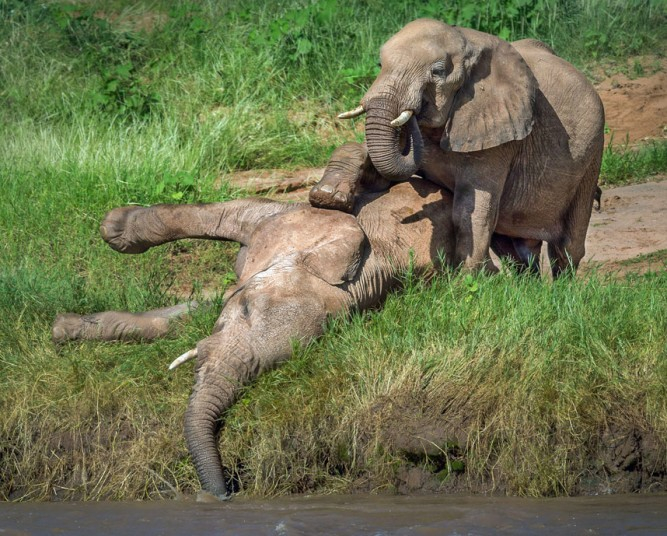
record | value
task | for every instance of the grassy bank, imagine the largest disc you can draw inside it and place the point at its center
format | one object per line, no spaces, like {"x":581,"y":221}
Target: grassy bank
{"x":154,"y":102}
{"x":504,"y":383}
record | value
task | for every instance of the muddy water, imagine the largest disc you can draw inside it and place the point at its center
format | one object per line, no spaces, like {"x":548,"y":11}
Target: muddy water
{"x":348,"y":515}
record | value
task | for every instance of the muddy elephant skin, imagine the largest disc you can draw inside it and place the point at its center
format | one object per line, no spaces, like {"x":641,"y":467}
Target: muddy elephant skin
{"x":298,"y":265}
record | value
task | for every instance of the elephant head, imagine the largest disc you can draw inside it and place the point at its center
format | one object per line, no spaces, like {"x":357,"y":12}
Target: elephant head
{"x":474,"y":89}
{"x":288,"y":285}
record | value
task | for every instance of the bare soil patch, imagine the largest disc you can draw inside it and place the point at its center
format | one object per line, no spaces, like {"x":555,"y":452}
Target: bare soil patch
{"x":636,"y":108}
{"x":632,"y":222}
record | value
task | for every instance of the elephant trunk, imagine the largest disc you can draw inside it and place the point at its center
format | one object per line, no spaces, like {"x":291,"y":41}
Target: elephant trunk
{"x":395,"y":152}
{"x":213,"y":393}
{"x":201,"y":429}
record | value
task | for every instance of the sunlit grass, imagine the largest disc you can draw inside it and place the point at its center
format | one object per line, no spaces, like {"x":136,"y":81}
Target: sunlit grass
{"x":520,"y":375}
{"x":622,"y":164}
{"x":158,"y":104}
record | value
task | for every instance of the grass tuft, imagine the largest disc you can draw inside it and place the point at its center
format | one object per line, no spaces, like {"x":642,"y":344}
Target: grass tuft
{"x":623,"y":164}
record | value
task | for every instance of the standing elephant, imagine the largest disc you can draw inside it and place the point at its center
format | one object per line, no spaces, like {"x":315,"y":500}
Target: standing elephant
{"x":297,"y":266}
{"x":514,"y":131}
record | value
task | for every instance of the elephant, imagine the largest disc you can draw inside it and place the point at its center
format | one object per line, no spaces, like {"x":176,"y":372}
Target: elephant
{"x":514,"y":131}
{"x":297,"y":266}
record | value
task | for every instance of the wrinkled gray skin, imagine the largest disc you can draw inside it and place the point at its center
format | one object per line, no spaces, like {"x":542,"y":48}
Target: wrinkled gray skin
{"x":348,"y":173}
{"x":513,"y":130}
{"x":298,"y":266}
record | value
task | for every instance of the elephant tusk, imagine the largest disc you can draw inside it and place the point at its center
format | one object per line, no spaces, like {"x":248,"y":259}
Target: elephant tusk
{"x":401,"y":119}
{"x":190,"y":354}
{"x":359,"y":110}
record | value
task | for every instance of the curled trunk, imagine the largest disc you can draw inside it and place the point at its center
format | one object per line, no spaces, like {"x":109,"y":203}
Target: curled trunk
{"x":395,"y":152}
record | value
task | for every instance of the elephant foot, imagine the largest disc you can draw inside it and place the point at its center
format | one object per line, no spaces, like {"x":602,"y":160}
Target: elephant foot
{"x":67,"y":327}
{"x":490,"y":268}
{"x":333,"y":192}
{"x":206,"y":497}
{"x":117,"y":230}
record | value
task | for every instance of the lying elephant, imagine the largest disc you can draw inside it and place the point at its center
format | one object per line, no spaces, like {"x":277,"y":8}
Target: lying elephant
{"x":297,"y":266}
{"x":512,"y":129}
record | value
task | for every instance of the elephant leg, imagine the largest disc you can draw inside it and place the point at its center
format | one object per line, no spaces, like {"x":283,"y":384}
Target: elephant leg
{"x":135,"y":229}
{"x":523,"y":254}
{"x":479,"y":181}
{"x":474,"y":216}
{"x":336,"y":189}
{"x":560,"y":260}
{"x":503,"y":246}
{"x":566,"y":254}
{"x":349,"y":170}
{"x":528,"y":252}
{"x":117,"y":325}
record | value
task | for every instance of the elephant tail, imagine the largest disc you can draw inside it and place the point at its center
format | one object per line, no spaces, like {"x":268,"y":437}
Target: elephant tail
{"x":597,"y":197}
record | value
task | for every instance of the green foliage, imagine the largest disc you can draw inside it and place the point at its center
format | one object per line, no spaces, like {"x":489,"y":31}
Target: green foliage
{"x":359,"y":78}
{"x":262,"y":63}
{"x":618,"y":29}
{"x":180,"y":186}
{"x":189,"y":22}
{"x":622,"y":163}
{"x":291,"y":37}
{"x":138,"y":102}
{"x":508,"y":19}
{"x":119,"y":58}
{"x":123,"y":92}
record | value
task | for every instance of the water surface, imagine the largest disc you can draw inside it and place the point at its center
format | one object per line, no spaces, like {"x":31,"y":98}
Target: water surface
{"x":345,"y":515}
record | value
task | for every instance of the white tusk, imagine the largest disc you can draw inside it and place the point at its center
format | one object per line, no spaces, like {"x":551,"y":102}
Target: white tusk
{"x":190,"y":354}
{"x":359,"y":110}
{"x":401,"y":119}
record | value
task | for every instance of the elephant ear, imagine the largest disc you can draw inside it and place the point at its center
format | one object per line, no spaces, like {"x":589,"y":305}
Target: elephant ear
{"x":327,"y":243}
{"x":336,"y":247}
{"x":495,"y":104}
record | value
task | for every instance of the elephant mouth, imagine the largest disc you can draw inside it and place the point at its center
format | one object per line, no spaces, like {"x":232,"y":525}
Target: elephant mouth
{"x":428,"y":114}
{"x":405,"y":141}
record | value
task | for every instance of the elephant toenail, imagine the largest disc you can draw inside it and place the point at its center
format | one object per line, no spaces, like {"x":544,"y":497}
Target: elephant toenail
{"x":327,"y":188}
{"x":340,"y":196}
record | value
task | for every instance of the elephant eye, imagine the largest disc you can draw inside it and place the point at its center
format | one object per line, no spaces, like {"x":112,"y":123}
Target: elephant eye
{"x":439,"y":71}
{"x":245,"y":309}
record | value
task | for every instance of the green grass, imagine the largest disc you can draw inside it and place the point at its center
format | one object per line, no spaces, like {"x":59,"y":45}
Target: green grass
{"x":624,"y":164}
{"x":521,"y":376}
{"x":155,"y":102}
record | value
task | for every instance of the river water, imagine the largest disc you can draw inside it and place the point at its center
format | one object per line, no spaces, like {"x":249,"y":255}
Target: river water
{"x":344,"y":515}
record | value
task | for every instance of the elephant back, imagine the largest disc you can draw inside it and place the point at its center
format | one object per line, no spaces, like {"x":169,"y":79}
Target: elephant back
{"x":412,"y":225}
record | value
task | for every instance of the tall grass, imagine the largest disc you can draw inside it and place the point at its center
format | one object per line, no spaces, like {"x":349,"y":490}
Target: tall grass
{"x":521,"y":377}
{"x":622,"y":164}
{"x":156,"y":102}
{"x":510,"y":381}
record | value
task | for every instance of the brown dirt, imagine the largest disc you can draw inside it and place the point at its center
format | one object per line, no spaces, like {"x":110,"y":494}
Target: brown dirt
{"x":636,"y":109}
{"x":620,"y":460}
{"x":632,"y":222}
